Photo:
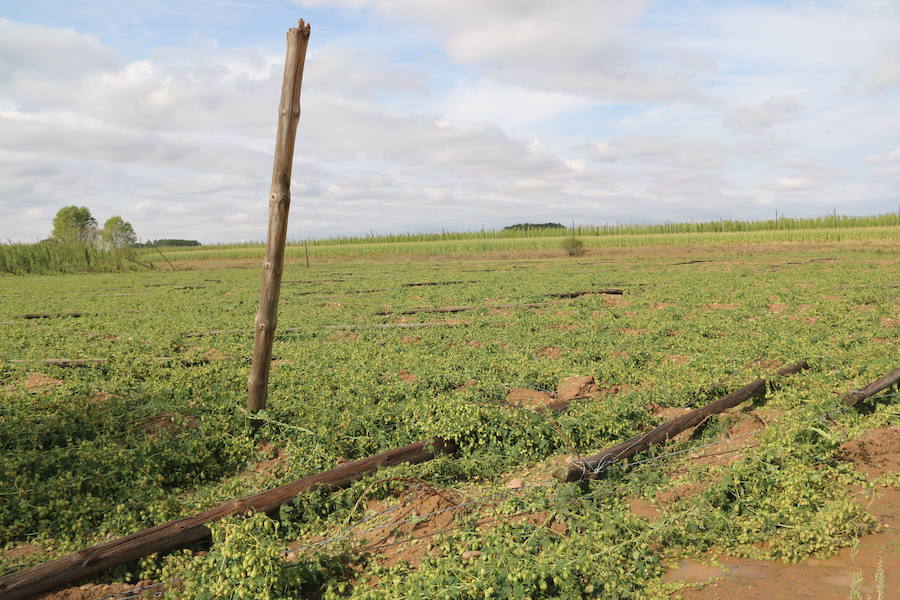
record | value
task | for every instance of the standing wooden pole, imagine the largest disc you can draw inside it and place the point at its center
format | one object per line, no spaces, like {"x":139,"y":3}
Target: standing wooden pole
{"x":279,"y":203}
{"x":306,"y":252}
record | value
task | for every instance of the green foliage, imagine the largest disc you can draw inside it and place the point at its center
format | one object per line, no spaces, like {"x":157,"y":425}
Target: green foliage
{"x":546,"y":241}
{"x":117,"y":233}
{"x":244,"y":563}
{"x":572,"y":246}
{"x":113,"y":448}
{"x":50,"y":256}
{"x":74,"y":225}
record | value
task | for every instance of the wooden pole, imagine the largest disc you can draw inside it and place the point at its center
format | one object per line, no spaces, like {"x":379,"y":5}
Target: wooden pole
{"x":851,"y":398}
{"x":279,"y":203}
{"x":588,"y":468}
{"x":180,"y":532}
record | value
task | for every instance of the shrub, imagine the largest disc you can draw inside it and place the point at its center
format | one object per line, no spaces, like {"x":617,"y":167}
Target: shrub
{"x":573,"y":246}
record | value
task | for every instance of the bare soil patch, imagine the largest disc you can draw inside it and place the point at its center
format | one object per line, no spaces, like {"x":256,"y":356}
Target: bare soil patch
{"x":276,"y":462}
{"x":643,"y":508}
{"x":527,"y":398}
{"x":876,"y":452}
{"x":576,"y":386}
{"x":347,"y":336}
{"x":407,"y":376}
{"x":549,"y":352}
{"x":875,"y":556}
{"x":169,"y":421}
{"x":719,"y":306}
{"x":37,"y":382}
{"x":20,"y":551}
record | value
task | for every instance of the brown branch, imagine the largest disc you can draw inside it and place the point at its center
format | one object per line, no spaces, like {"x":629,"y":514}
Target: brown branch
{"x":180,"y":532}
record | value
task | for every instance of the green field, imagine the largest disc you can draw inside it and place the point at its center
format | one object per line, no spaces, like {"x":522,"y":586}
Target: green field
{"x":158,"y":429}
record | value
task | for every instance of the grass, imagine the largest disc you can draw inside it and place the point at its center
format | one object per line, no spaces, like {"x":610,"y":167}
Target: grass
{"x":113,"y":448}
{"x":544,"y":245}
{"x":55,"y":257}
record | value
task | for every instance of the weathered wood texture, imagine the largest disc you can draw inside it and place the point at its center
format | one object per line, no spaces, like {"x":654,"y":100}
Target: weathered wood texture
{"x":58,"y":362}
{"x":279,"y":205}
{"x":426,"y":283}
{"x":180,"y":532}
{"x":456,"y":309}
{"x":854,"y":396}
{"x":589,"y":467}
{"x":614,"y":292}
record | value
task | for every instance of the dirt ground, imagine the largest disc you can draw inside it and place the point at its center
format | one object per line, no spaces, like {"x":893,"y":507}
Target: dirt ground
{"x":870,"y":568}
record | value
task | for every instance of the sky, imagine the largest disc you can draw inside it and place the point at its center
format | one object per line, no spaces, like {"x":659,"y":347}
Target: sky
{"x":422,"y":115}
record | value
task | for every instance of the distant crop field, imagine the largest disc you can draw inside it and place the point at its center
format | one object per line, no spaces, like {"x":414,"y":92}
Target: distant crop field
{"x":152,"y":425}
{"x":546,"y":243}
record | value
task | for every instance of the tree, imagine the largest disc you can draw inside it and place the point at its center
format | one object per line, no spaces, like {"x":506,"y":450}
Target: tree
{"x":117,"y":233}
{"x":74,"y":225}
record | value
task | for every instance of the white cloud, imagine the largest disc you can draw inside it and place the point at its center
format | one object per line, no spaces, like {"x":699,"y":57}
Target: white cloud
{"x":793,"y":183}
{"x":593,"y":110}
{"x":508,"y":106}
{"x":584,"y":47}
{"x":764,"y":116}
{"x":892,"y":157}
{"x":887,"y":71}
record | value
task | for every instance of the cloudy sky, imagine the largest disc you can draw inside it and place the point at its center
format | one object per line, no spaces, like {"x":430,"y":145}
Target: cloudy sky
{"x":419,"y":115}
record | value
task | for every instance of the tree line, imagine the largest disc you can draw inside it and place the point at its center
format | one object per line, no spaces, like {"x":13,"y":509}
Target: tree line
{"x":76,"y":225}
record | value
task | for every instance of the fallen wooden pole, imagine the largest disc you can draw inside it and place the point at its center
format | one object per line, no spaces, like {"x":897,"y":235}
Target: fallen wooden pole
{"x":59,"y":362}
{"x":424,"y":283}
{"x":279,"y":205}
{"x":585,"y":293}
{"x":854,"y":396}
{"x":299,"y":329}
{"x":87,"y":362}
{"x":456,"y":309}
{"x":73,"y":315}
{"x":180,"y":532}
{"x":589,"y":467}
{"x":390,"y":325}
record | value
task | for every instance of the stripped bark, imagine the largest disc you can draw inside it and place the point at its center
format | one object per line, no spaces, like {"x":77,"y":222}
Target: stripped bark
{"x":180,"y":532}
{"x":854,"y":396}
{"x":589,"y":467}
{"x":279,"y":205}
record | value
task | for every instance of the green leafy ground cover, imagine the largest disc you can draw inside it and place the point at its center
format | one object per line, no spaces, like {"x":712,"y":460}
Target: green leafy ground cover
{"x":116,"y":447}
